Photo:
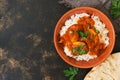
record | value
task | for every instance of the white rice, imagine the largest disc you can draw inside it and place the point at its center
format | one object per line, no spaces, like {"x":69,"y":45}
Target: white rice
{"x":86,"y":57}
{"x":103,"y":31}
{"x":98,"y":25}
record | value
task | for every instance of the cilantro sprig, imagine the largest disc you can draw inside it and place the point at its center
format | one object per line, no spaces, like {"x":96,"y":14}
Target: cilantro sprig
{"x":71,"y":72}
{"x":79,"y":50}
{"x":83,"y":34}
{"x":83,"y":52}
{"x":97,"y":31}
{"x":115,"y":9}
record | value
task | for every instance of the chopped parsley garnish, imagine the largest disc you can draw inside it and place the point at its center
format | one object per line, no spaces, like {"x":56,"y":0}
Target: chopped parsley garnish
{"x":97,"y":31}
{"x":83,"y":52}
{"x":83,"y":34}
{"x":79,"y":50}
{"x":87,"y":33}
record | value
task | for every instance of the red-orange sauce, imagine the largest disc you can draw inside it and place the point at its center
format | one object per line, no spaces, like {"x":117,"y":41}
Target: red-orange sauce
{"x":72,"y":39}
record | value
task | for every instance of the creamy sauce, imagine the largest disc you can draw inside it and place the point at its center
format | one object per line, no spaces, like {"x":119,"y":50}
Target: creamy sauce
{"x":82,"y":38}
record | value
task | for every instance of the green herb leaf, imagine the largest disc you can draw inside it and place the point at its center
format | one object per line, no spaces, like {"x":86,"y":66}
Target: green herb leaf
{"x":78,"y":49}
{"x":115,"y":8}
{"x":81,"y":47}
{"x":97,"y":31}
{"x":87,"y":33}
{"x":71,"y":72}
{"x":82,"y":34}
{"x":83,"y":52}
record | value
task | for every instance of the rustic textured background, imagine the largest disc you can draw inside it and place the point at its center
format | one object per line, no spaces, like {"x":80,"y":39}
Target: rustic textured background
{"x":26,"y":38}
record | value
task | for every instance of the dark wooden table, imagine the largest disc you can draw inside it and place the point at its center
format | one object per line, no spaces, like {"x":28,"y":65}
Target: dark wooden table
{"x":27,"y":51}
